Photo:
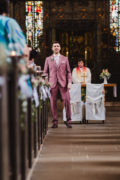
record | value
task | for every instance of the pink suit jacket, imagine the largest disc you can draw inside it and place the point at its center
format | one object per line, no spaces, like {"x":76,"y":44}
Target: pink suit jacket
{"x":60,"y":73}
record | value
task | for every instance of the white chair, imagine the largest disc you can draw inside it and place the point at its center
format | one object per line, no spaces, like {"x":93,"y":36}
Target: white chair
{"x":95,"y":109}
{"x":76,"y":104}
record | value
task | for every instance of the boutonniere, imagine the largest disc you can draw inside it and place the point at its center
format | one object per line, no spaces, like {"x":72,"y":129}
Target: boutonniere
{"x":52,"y":58}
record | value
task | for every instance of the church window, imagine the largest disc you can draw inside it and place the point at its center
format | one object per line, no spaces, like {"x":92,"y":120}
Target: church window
{"x":34,"y":22}
{"x":115,"y":22}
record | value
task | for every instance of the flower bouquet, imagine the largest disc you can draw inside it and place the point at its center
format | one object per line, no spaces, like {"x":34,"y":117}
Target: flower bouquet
{"x":105,"y":75}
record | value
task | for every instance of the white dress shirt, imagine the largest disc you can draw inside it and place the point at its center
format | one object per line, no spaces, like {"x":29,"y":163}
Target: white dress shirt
{"x":56,"y":58}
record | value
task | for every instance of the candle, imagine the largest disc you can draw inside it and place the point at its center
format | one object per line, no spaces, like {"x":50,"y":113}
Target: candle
{"x":13,"y":53}
{"x":85,"y":54}
{"x":67,"y":53}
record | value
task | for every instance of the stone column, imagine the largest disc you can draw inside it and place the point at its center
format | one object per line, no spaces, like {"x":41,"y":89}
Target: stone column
{"x":17,"y":11}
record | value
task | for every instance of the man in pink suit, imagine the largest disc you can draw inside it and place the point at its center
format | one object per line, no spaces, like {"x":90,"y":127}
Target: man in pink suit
{"x":59,"y":73}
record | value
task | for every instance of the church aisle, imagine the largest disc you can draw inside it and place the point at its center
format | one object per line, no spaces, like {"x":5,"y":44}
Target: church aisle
{"x":85,"y":152}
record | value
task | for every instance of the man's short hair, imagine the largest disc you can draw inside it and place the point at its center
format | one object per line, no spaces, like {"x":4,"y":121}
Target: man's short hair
{"x":33,"y":54}
{"x":81,"y":59}
{"x":3,"y":6}
{"x":55,"y":42}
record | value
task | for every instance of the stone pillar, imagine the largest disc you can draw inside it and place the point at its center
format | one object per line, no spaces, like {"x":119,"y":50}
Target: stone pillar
{"x":17,"y":11}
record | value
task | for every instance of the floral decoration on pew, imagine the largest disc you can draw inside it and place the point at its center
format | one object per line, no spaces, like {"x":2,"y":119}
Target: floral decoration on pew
{"x":40,"y":86}
{"x":33,"y":84}
{"x":44,"y":86}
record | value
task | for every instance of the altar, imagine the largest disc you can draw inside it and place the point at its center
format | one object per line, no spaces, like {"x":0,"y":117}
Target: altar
{"x":109,"y":85}
{"x":113,"y":86}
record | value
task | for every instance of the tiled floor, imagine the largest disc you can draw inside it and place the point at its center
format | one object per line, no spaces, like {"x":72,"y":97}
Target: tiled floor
{"x":85,"y":152}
